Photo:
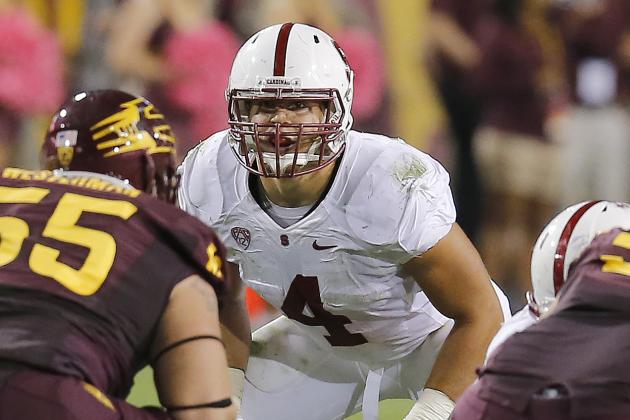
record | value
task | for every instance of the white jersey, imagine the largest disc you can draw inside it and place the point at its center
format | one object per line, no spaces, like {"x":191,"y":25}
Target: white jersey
{"x":337,"y":270}
{"x":517,"y":323}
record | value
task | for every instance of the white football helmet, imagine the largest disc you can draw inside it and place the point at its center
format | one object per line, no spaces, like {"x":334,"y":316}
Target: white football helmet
{"x":563,"y":240}
{"x":289,"y":62}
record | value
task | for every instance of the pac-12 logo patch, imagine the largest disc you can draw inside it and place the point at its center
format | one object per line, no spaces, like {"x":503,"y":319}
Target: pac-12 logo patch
{"x":241,"y":236}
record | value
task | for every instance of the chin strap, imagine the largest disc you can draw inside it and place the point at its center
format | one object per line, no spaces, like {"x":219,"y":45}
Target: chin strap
{"x":286,"y":161}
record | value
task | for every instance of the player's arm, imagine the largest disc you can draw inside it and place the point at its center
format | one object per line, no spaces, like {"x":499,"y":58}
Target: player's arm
{"x":189,"y":359}
{"x":236,"y":329}
{"x":234,"y":318}
{"x":456,"y":282}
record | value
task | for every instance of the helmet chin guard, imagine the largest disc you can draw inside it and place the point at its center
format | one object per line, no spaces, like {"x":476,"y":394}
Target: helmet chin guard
{"x":289,"y":63}
{"x":287,"y":163}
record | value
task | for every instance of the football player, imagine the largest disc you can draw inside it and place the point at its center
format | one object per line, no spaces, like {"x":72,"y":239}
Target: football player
{"x":99,"y":279}
{"x":573,"y":362}
{"x":351,"y":235}
{"x":568,"y":227}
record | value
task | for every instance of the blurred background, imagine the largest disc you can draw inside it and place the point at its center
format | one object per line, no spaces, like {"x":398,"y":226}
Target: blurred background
{"x":525,"y":102}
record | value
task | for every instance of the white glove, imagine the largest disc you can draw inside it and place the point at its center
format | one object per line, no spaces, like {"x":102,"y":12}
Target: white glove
{"x":431,"y":405}
{"x":237,"y":379}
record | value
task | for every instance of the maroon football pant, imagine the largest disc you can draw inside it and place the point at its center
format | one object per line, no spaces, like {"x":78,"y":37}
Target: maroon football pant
{"x":471,"y":407}
{"x":30,"y":395}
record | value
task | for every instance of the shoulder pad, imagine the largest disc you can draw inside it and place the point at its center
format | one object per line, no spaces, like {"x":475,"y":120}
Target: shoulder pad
{"x":199,"y":191}
{"x":402,"y":201}
{"x":187,"y":236}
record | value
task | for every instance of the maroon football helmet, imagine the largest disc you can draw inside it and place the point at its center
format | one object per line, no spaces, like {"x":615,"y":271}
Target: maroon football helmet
{"x":114,"y":133}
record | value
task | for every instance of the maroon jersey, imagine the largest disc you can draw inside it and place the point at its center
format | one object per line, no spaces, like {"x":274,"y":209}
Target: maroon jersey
{"x":583,"y":346}
{"x":86,"y":269}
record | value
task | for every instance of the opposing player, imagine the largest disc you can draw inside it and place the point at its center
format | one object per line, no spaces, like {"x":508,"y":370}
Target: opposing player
{"x":572,"y":363}
{"x":351,"y":235}
{"x":98,"y":279}
{"x":565,"y":235}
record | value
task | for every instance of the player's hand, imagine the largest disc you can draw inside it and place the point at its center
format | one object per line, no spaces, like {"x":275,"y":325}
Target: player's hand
{"x":431,"y":405}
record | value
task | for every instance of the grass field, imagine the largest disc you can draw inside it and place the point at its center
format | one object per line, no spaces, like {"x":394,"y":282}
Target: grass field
{"x":143,"y":393}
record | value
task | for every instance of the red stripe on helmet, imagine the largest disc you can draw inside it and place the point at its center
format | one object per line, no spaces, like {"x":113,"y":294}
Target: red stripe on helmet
{"x":563,"y":243}
{"x":280,"y":59}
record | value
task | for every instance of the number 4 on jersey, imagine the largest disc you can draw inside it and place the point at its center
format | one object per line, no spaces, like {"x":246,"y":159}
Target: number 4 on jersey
{"x":304,"y":291}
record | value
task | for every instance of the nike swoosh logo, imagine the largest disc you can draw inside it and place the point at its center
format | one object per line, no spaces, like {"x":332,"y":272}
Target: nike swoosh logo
{"x":322,"y":247}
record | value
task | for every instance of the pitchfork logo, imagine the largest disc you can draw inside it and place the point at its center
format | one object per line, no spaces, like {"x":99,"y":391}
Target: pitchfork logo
{"x":241,"y":236}
{"x":123,"y":132}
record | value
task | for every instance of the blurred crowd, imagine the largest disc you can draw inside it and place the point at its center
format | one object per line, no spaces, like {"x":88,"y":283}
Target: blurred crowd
{"x":526,"y":102}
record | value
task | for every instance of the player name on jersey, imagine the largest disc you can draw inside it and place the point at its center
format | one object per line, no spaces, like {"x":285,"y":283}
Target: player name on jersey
{"x":90,"y":182}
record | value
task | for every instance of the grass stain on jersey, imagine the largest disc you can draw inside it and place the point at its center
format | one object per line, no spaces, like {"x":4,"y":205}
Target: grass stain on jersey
{"x":256,"y":348}
{"x":408,"y":172}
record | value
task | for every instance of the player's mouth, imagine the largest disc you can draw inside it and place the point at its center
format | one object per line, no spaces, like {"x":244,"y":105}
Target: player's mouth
{"x":283,"y":143}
